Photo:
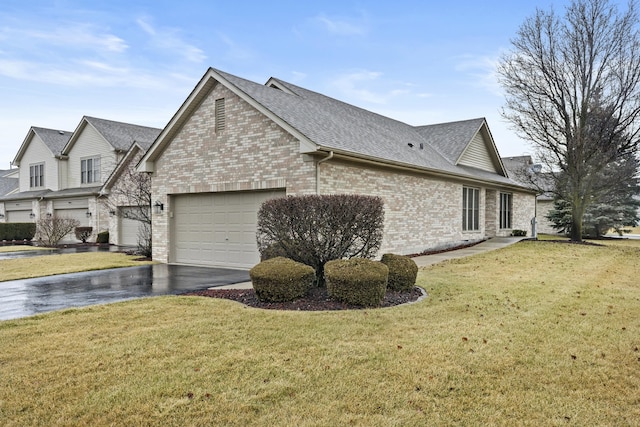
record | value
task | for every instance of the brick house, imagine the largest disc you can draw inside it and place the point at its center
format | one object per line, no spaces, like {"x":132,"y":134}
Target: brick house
{"x":62,"y":173}
{"x":235,"y":143}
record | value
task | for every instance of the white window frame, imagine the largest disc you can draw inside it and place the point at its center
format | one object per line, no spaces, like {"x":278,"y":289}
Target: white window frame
{"x":90,"y":170}
{"x":470,"y":209}
{"x":506,"y":211}
{"x":36,"y":175}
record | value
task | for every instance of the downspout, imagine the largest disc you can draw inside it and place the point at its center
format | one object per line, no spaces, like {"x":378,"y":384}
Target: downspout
{"x":329,"y":157}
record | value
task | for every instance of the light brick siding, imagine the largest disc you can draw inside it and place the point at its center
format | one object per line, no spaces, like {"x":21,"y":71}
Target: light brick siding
{"x":524,"y":207}
{"x":422,"y":212}
{"x":251,"y":153}
{"x":544,"y":225}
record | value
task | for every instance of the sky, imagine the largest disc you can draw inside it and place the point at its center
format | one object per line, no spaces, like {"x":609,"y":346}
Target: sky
{"x":136,"y":61}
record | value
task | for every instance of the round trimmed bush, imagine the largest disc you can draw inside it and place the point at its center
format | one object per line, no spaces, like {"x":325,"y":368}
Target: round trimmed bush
{"x":356,"y":281}
{"x":281,"y":279}
{"x":403,"y":272}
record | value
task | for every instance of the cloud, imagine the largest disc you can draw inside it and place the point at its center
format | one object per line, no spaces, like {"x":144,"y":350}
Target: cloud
{"x":481,"y":70}
{"x":342,"y":27}
{"x":170,"y":41}
{"x":234,"y":50}
{"x":67,"y":36}
{"x":370,"y":87}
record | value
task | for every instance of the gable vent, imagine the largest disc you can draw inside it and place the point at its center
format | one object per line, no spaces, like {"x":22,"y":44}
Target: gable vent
{"x":220,"y":116}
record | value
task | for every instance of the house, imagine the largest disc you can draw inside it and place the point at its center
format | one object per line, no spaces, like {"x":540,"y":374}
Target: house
{"x":523,"y":170}
{"x":126,"y":196}
{"x":8,"y":181}
{"x":61,"y":173}
{"x":235,"y":143}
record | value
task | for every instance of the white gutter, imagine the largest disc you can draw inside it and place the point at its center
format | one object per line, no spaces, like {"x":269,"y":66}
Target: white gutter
{"x":329,"y":157}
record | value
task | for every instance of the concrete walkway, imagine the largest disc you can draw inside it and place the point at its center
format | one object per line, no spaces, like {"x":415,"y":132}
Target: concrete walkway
{"x":427,"y":260}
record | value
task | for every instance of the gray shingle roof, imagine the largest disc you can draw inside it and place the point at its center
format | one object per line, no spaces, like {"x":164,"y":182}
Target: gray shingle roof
{"x":55,"y":140}
{"x":122,"y":135}
{"x":450,"y":139}
{"x":339,"y":126}
{"x":7,"y":185}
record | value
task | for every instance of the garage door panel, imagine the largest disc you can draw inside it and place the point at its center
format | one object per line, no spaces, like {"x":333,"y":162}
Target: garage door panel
{"x":18,"y":216}
{"x":217,"y":229}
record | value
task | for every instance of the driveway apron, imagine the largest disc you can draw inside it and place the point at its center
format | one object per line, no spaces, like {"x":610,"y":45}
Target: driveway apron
{"x":20,"y":298}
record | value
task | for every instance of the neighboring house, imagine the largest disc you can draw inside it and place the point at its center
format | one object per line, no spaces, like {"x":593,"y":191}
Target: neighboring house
{"x":522,"y":169}
{"x":126,"y":196}
{"x":235,"y":143}
{"x":62,"y":173}
{"x":8,"y":181}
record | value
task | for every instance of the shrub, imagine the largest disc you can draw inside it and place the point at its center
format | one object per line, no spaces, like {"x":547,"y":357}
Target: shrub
{"x":281,"y":279}
{"x":83,"y":233}
{"x":519,"y":233}
{"x":103,"y":237}
{"x":357,"y":281}
{"x":52,"y":230}
{"x":17,"y":230}
{"x":403,"y":272}
{"x":315,"y":229}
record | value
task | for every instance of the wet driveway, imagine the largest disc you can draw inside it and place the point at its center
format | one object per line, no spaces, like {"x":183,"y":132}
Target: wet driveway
{"x":20,"y":298}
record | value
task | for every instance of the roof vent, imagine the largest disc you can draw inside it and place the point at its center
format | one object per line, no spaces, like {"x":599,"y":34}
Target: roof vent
{"x":410,"y":145}
{"x":422,"y":146}
{"x":61,"y":132}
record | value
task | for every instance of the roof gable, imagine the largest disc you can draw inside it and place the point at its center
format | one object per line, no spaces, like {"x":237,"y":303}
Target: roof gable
{"x":54,"y":140}
{"x":324,"y":124}
{"x":118,"y":135}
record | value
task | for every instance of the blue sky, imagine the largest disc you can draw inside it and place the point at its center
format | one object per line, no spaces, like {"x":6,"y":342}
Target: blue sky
{"x":420,"y":62}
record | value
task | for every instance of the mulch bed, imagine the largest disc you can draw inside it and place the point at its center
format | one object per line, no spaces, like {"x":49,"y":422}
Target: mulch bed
{"x":316,"y":300}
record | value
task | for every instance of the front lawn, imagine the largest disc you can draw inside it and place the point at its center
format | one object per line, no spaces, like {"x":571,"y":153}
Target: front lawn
{"x":46,"y":265}
{"x":538,"y":333}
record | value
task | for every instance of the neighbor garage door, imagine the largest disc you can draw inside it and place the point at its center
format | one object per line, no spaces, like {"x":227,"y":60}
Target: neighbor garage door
{"x":129,"y":229}
{"x":73,"y":209}
{"x":18,"y":211}
{"x":218,"y":229}
{"x":19,"y":216}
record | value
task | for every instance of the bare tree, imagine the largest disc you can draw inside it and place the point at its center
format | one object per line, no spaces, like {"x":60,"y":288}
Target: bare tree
{"x":51,"y":230}
{"x":134,"y":193}
{"x":572,"y":87}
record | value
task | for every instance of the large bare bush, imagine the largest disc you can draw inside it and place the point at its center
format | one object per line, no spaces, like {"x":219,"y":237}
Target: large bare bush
{"x":51,"y":231}
{"x":316,"y":229}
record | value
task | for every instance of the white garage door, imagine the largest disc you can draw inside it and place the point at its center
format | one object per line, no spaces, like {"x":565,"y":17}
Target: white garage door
{"x":18,"y":216}
{"x":129,"y":229}
{"x":79,"y":214}
{"x":218,"y":229}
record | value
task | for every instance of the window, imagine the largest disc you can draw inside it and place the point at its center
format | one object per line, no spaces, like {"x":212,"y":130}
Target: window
{"x":90,"y":170}
{"x":220,"y":116}
{"x":36,"y":175}
{"x":470,"y":209}
{"x":506,"y":200}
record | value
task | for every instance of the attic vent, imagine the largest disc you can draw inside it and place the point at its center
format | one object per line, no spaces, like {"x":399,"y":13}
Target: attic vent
{"x":220,"y":116}
{"x":61,"y":132}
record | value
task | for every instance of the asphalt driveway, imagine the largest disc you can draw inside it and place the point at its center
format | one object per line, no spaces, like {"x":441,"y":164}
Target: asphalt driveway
{"x":21,"y":298}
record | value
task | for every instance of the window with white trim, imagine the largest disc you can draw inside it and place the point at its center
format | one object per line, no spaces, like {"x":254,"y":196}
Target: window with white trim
{"x":470,"y":209}
{"x":90,"y":170}
{"x":506,"y":206}
{"x":36,"y":175}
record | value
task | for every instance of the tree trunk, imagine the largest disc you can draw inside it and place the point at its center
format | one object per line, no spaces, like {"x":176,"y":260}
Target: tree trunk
{"x":577,"y":213}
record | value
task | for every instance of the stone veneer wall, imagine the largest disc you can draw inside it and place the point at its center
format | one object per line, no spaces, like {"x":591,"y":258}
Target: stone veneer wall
{"x":251,"y":153}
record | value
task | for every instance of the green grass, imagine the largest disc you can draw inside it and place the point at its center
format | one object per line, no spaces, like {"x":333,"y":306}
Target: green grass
{"x":24,"y":268}
{"x":538,"y":333}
